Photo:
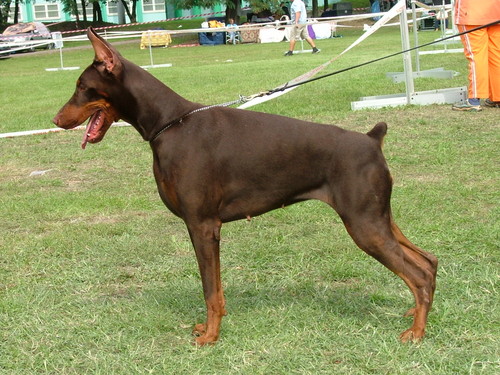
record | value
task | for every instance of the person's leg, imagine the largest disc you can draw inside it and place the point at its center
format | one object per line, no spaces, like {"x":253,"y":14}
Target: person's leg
{"x":476,"y":52}
{"x":494,"y":62}
{"x":304,"y":34}
{"x":293,"y":37}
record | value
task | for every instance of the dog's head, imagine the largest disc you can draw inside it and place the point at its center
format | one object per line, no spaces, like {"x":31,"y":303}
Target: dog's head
{"x":95,"y":88}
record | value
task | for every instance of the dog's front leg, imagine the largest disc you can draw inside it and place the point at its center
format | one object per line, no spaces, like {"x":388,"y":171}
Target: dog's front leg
{"x":205,"y":237}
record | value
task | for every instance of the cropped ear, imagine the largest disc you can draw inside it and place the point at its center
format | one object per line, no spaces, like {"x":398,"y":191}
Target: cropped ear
{"x":105,"y":53}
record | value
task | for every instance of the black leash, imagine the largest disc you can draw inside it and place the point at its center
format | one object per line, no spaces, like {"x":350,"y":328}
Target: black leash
{"x":286,"y":86}
{"x":244,"y":99}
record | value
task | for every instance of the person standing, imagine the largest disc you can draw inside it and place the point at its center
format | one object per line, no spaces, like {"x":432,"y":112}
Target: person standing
{"x":482,"y":50}
{"x":299,"y":29}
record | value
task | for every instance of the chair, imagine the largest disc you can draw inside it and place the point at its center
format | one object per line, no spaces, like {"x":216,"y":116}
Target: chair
{"x":233,"y":37}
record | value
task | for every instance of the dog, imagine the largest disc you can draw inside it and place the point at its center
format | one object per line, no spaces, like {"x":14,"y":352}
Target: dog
{"x":217,"y":164}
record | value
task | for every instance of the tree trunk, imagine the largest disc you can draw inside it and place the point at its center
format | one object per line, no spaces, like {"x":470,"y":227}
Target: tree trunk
{"x":131,"y":15}
{"x":84,"y":10}
{"x":234,"y":12}
{"x":16,"y":12}
{"x":97,"y":11}
{"x":75,"y":12}
{"x":314,"y":8}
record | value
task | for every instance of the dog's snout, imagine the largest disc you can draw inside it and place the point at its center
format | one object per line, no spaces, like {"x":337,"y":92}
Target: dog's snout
{"x":59,"y":120}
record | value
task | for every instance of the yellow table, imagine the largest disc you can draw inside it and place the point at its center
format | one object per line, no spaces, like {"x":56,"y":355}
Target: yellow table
{"x":155,"y":38}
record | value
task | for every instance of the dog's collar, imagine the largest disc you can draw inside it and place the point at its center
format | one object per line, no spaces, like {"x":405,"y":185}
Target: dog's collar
{"x":178,"y":121}
{"x":168,"y":125}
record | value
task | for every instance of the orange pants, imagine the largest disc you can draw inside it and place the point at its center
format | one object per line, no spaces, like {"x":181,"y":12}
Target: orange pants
{"x":482,"y":49}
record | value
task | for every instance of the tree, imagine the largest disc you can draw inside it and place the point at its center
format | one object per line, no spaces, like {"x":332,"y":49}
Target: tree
{"x":233,"y":10}
{"x":315,"y":8}
{"x":16,"y":11}
{"x":4,"y":11}
{"x":84,"y":9}
{"x":96,"y":11}
{"x":69,"y":6}
{"x":132,"y":15}
{"x":233,"y":7}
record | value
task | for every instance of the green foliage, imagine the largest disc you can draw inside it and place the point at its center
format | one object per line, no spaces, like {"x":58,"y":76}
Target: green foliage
{"x":70,"y":6}
{"x":188,"y":4}
{"x":261,"y":5}
{"x":4,"y":11}
{"x":255,"y":5}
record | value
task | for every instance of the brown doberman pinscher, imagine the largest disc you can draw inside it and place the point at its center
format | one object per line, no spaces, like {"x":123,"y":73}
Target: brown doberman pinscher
{"x":213,"y":165}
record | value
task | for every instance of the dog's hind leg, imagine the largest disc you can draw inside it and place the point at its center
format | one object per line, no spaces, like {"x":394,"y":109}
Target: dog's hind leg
{"x":427,"y":262}
{"x":364,"y":207}
{"x":416,"y":267}
{"x":205,"y":237}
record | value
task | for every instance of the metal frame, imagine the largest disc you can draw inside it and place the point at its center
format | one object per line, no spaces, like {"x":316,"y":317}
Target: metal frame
{"x":153,"y":65}
{"x":441,"y":96}
{"x":58,"y":43}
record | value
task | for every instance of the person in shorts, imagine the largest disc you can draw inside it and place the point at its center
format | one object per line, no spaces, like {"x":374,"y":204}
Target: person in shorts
{"x":298,"y":15}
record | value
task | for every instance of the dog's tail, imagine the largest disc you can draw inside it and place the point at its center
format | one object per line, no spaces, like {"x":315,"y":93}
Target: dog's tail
{"x":378,"y":132}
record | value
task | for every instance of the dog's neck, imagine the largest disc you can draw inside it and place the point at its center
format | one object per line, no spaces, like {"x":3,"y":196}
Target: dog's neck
{"x":149,"y":118}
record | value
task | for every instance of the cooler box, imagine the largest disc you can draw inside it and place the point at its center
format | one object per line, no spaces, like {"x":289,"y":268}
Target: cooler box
{"x":341,"y":9}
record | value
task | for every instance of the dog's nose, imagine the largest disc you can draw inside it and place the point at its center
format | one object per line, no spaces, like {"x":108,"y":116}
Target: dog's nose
{"x":55,"y":120}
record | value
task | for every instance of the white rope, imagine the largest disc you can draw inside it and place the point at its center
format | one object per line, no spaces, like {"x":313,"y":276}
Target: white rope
{"x":393,"y":12}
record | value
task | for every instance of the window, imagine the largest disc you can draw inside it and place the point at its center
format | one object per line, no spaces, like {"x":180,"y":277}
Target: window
{"x":153,"y":5}
{"x":46,"y":11}
{"x":112,"y":8}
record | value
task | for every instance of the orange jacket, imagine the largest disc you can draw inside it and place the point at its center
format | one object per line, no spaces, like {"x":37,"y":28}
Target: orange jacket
{"x":476,"y":12}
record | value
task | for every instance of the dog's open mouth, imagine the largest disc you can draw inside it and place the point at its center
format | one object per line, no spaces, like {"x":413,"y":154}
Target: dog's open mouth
{"x":96,"y":128}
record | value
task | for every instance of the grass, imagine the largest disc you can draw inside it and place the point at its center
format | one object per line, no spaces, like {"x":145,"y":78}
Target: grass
{"x":97,"y":277}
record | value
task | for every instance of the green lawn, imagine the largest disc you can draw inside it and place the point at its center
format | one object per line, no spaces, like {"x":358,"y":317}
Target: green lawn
{"x":97,"y":277}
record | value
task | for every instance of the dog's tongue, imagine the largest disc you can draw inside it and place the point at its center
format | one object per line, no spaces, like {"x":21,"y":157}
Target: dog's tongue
{"x":91,"y":126}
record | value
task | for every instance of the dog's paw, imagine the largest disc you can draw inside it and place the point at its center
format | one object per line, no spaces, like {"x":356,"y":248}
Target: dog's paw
{"x":410,"y":335}
{"x":199,"y":329}
{"x":205,"y":340}
{"x":202,"y":337}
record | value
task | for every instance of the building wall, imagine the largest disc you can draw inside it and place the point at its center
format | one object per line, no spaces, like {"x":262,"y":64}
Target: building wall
{"x":147,"y":11}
